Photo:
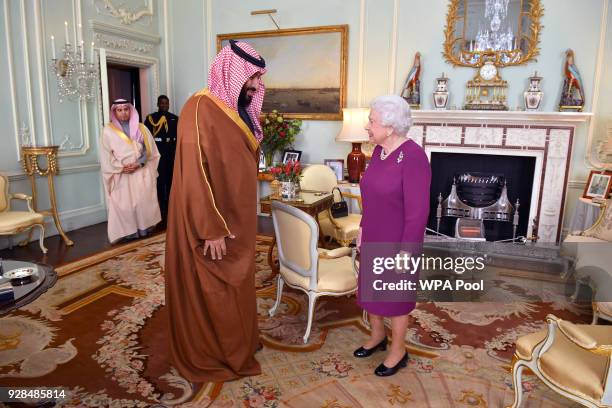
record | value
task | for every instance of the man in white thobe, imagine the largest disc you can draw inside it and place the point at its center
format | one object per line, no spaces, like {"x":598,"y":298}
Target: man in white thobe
{"x":129,"y":158}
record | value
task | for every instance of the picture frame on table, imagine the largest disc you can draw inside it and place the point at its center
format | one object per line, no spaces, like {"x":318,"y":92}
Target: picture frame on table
{"x":598,"y":185}
{"x":291,"y":155}
{"x":262,"y":161}
{"x":337,"y":165}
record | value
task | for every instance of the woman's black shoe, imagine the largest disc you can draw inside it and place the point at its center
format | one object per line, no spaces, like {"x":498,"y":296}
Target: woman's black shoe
{"x":362,"y":352}
{"x":383,"y":371}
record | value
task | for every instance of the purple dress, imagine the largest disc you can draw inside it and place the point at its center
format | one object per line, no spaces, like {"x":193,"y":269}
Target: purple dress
{"x":395,"y":194}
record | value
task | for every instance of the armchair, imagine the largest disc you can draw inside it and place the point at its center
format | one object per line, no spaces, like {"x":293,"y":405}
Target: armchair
{"x":573,"y":360}
{"x":344,"y":230}
{"x":15,"y":222}
{"x":315,"y":271}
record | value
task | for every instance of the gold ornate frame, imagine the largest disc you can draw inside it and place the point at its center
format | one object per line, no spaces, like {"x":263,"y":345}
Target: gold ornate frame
{"x":341,"y":29}
{"x":536,"y":10}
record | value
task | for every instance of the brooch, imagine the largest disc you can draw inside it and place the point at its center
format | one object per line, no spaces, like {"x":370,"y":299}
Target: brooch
{"x":400,"y":157}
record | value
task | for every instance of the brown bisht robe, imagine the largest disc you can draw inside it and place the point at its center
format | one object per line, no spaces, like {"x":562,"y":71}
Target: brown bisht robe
{"x":212,"y":305}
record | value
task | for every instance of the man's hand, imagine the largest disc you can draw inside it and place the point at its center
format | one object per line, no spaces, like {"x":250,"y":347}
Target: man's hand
{"x":217,"y":247}
{"x":130,"y":168}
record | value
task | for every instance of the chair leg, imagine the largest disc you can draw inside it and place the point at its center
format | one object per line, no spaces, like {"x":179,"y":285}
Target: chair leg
{"x":365,"y":319}
{"x":312,"y":299}
{"x":279,"y":294}
{"x":595,"y":316}
{"x":517,"y":372}
{"x":579,"y":283}
{"x":42,"y":238}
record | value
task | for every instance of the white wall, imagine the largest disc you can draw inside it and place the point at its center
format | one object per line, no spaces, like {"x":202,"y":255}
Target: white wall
{"x":31,"y":98}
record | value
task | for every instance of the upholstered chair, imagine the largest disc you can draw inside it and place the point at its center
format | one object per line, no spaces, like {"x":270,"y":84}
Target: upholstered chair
{"x":315,"y":271}
{"x":573,"y":360}
{"x":344,"y":230}
{"x":591,"y":251}
{"x":15,"y":222}
{"x":602,"y":310}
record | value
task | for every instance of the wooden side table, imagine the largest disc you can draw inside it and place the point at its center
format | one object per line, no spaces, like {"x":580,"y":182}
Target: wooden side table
{"x":264,"y":176}
{"x":29,"y":160}
{"x":311,"y":202}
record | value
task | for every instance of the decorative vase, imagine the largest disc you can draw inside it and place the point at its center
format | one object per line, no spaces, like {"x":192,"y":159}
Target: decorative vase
{"x":533,"y":96}
{"x":440,"y":96}
{"x":268,"y":158}
{"x":355,"y":163}
{"x":288,"y":190}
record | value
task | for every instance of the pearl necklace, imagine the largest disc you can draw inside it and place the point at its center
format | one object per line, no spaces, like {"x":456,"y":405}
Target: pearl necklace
{"x":384,"y":155}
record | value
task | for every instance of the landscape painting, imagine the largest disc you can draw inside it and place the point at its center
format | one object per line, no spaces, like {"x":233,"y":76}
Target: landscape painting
{"x":306,"y":69}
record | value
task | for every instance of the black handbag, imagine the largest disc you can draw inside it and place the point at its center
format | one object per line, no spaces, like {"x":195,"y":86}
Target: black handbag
{"x":339,"y":209}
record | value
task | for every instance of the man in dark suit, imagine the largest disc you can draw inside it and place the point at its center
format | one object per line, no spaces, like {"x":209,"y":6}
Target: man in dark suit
{"x":162,"y":125}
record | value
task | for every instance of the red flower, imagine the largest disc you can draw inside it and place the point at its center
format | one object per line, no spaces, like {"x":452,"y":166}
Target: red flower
{"x":282,"y":134}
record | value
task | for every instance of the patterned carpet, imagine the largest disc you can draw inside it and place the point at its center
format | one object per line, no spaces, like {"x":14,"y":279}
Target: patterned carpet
{"x":101,"y":332}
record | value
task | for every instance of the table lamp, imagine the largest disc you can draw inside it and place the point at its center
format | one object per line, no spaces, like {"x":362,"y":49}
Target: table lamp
{"x":353,"y":130}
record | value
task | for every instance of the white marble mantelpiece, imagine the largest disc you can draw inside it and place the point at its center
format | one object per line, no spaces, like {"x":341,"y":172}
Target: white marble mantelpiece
{"x":523,"y":117}
{"x":546,"y":136}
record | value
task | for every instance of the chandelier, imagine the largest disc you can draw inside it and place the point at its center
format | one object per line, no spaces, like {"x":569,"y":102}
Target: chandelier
{"x":496,"y":10}
{"x":76,"y":77}
{"x":493,"y":38}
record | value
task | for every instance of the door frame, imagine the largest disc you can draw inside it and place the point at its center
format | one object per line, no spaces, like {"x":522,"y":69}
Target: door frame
{"x":149,"y":80}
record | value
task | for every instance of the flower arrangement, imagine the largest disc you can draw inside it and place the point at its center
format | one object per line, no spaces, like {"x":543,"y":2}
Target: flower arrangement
{"x":278,"y":134}
{"x":288,"y":175}
{"x":290,"y":171}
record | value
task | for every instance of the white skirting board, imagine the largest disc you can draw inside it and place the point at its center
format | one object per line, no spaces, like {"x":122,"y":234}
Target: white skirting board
{"x":71,"y":220}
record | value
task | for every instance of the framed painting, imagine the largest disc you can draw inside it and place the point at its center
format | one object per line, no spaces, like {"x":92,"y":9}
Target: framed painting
{"x":598,"y":185}
{"x":337,"y":165}
{"x":291,"y":155}
{"x":306,"y":69}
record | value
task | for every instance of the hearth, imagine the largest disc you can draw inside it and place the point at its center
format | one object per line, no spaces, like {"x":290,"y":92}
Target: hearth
{"x":480,"y":196}
{"x":545,"y":137}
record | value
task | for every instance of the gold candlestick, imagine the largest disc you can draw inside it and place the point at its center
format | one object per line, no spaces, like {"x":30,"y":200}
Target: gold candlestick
{"x":31,"y":166}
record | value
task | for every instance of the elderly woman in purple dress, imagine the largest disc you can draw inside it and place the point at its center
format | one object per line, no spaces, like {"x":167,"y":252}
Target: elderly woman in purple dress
{"x":395,"y":193}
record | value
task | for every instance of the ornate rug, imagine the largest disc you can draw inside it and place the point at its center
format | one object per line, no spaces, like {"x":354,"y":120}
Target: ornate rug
{"x":101,"y":333}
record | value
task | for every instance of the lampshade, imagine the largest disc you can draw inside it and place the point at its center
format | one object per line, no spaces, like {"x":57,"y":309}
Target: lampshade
{"x":353,"y":125}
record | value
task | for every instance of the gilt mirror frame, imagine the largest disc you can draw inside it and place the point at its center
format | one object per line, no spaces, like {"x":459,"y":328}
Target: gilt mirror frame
{"x":467,"y":58}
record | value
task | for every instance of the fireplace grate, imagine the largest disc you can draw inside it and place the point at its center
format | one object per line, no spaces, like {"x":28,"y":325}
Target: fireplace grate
{"x":478,"y":196}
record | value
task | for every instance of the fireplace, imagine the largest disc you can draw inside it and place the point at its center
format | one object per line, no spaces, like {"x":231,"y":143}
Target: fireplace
{"x":516,"y":172}
{"x":544,"y":137}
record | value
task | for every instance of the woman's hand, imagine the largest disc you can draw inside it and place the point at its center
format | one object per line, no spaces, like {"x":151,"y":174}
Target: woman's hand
{"x":217,"y":247}
{"x":358,"y":240}
{"x":405,"y":264}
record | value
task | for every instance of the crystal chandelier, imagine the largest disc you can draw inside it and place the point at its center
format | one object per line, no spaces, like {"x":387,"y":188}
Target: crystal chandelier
{"x":76,"y":78}
{"x":497,"y":8}
{"x":491,"y":38}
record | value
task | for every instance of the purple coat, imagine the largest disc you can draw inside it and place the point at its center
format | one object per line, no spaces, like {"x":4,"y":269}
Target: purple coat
{"x":395,"y":194}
